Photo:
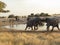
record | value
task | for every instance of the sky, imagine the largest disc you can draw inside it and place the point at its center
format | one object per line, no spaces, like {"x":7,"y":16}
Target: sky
{"x":26,"y":7}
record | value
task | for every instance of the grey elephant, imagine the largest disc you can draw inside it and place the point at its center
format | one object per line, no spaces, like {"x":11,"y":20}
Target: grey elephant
{"x":54,"y":22}
{"x":33,"y":23}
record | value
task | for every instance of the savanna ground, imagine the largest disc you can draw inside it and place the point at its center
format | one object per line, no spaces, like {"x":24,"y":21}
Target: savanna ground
{"x":12,"y":37}
{"x":29,"y":38}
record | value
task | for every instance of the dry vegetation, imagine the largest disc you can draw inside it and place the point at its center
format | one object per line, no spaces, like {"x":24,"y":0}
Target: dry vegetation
{"x":26,"y":38}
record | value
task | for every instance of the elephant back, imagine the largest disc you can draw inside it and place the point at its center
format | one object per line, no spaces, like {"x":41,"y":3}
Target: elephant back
{"x":52,"y":21}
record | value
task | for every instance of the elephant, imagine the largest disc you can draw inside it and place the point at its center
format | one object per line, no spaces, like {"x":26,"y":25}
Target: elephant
{"x":33,"y":23}
{"x":54,"y":22}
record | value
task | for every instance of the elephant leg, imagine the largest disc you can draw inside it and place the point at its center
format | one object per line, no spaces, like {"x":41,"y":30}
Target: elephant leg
{"x":35,"y":27}
{"x":52,"y":28}
{"x":48,"y":28}
{"x":26,"y":28}
{"x":58,"y":27}
{"x":31,"y":28}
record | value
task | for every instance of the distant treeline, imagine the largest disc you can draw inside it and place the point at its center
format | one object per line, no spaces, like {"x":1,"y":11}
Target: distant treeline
{"x":38,"y":15}
{"x":31,"y":15}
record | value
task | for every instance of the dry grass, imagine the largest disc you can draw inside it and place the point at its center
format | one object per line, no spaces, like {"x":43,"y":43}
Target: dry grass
{"x":24,"y":38}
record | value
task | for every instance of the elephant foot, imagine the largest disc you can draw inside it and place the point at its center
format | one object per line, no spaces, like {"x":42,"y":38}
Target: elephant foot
{"x":47,"y":30}
{"x":25,"y":29}
{"x":32,"y":29}
{"x":35,"y":29}
{"x":51,"y":30}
